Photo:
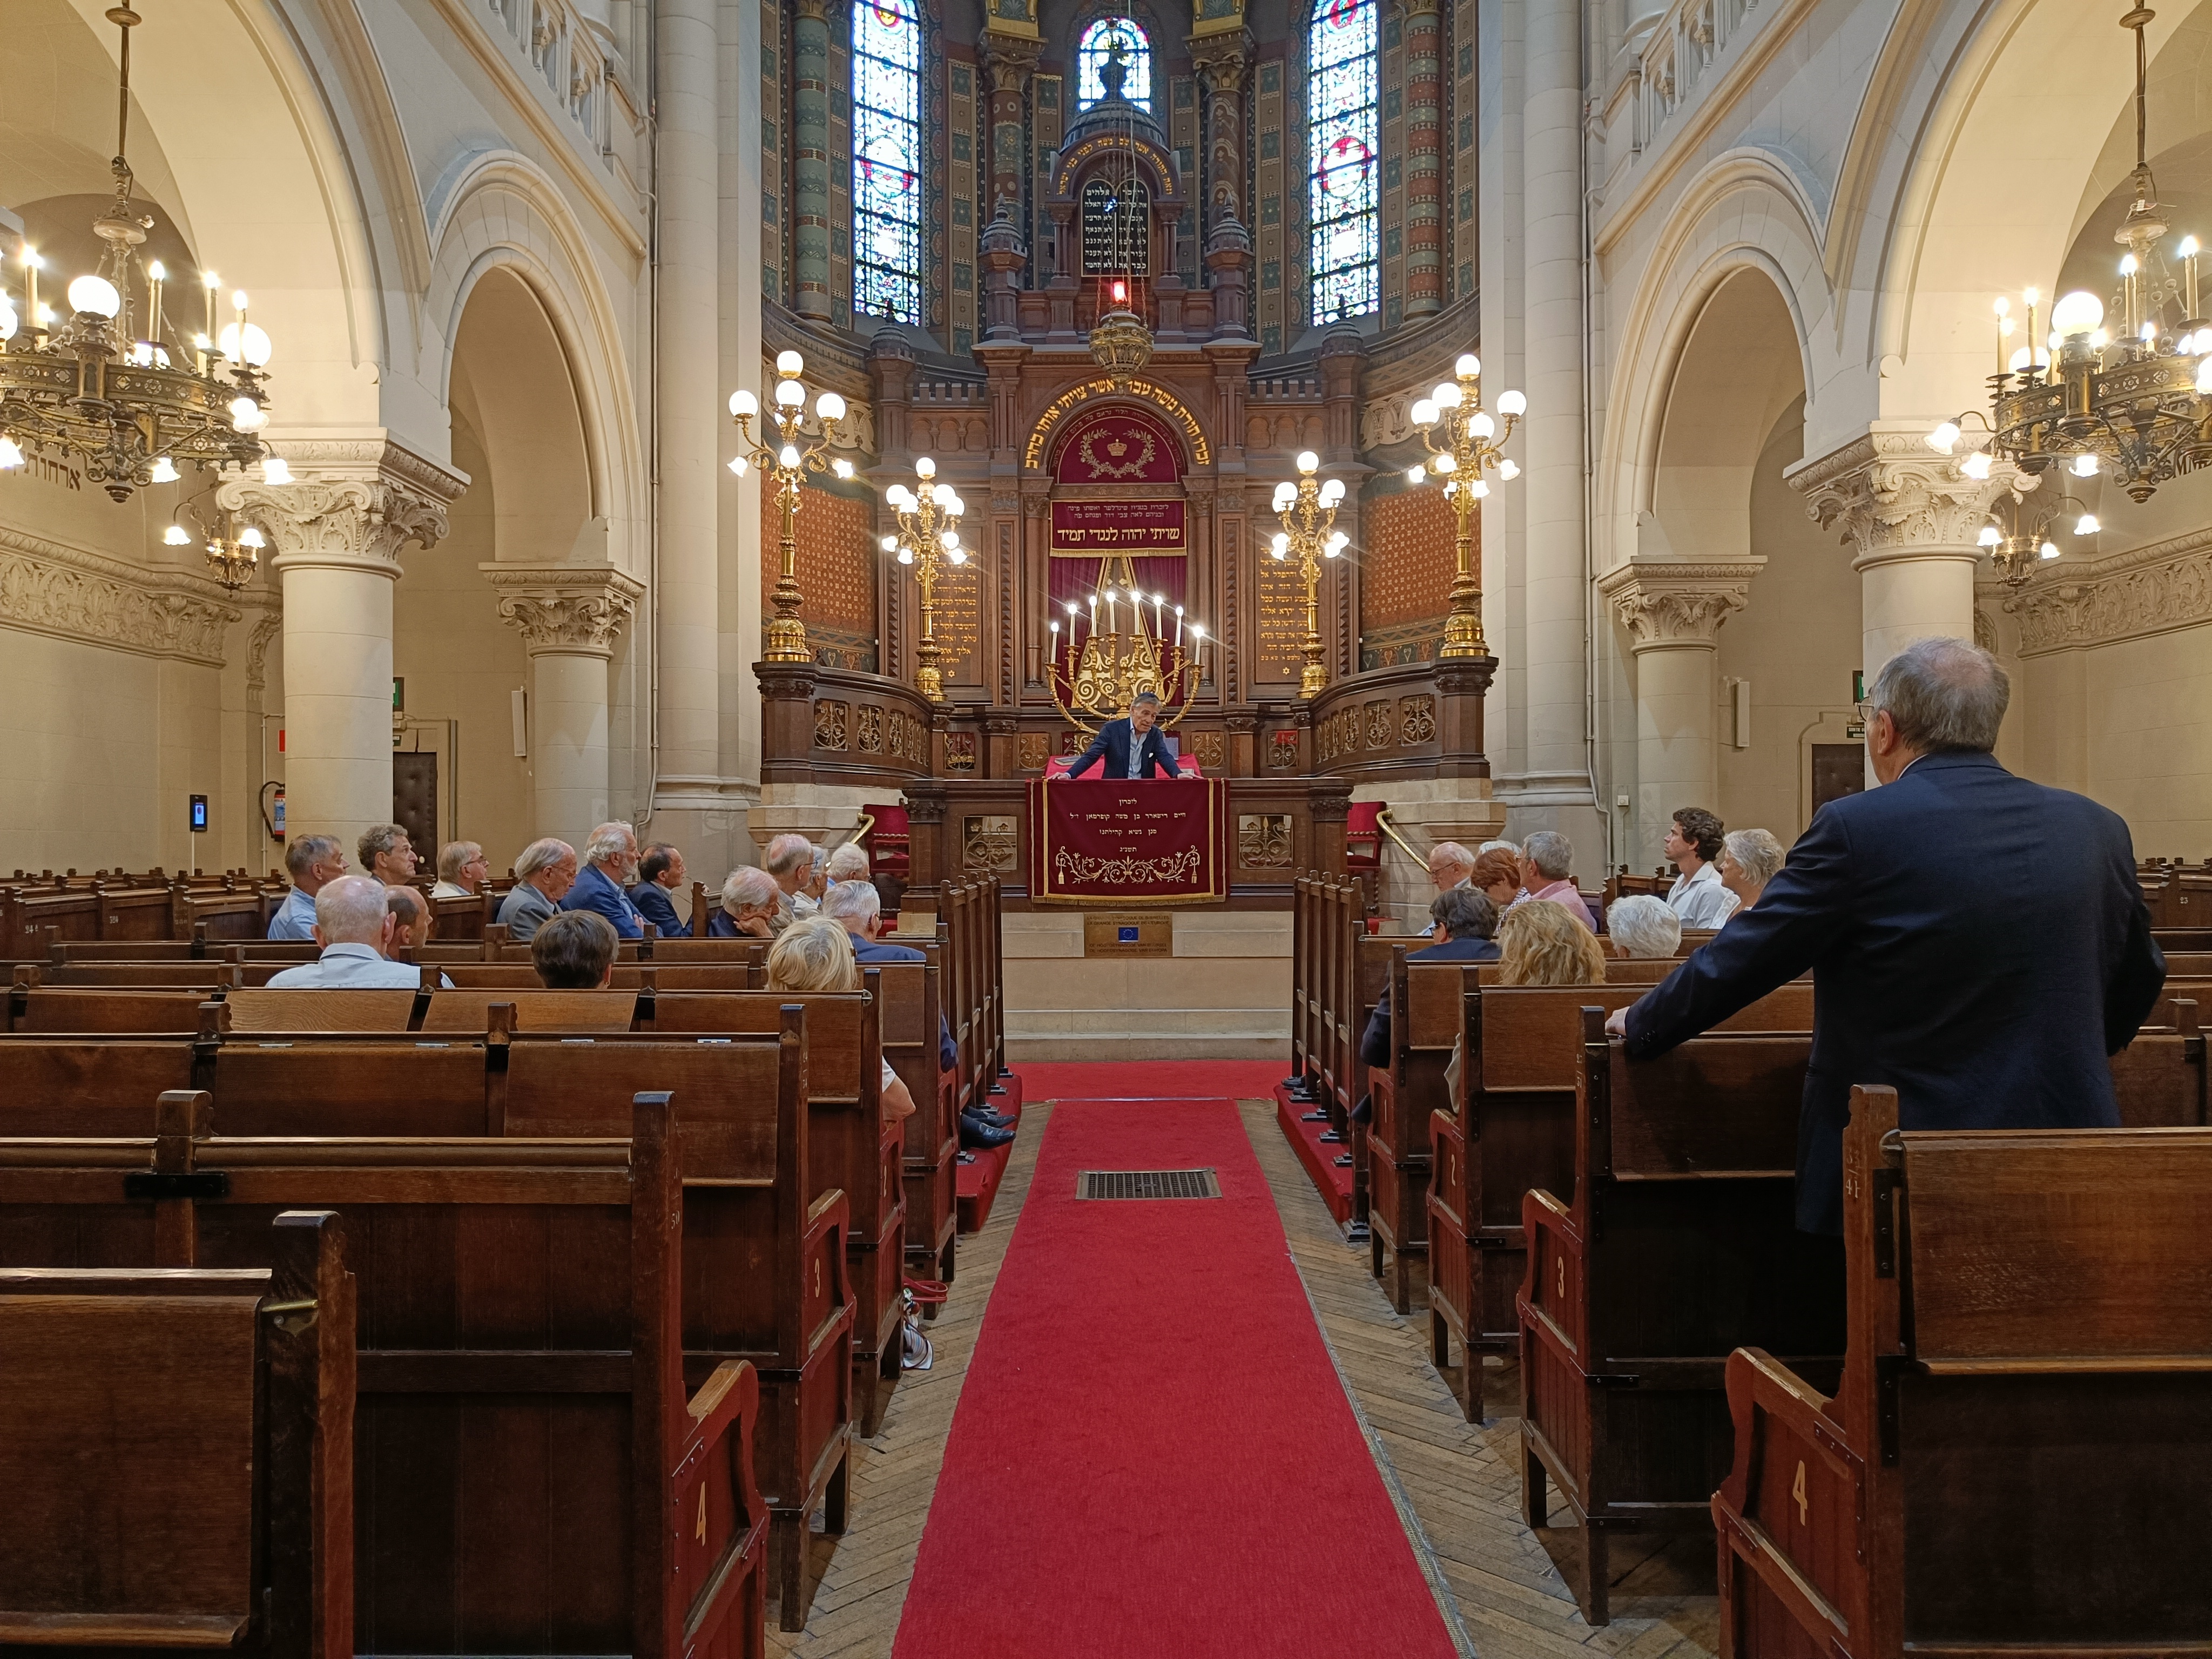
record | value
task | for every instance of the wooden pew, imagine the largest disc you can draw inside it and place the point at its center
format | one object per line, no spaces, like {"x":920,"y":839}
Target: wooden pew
{"x":1425,"y":998}
{"x":530,"y":1475}
{"x":1680,"y":1245}
{"x":850,"y":1149}
{"x":908,"y":1022}
{"x":766,"y":1280}
{"x":1513,"y":1130}
{"x":2018,"y":1460}
{"x":176,"y":1446}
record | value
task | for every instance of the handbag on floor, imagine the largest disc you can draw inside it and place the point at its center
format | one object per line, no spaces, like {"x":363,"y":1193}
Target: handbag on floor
{"x":916,"y":1353}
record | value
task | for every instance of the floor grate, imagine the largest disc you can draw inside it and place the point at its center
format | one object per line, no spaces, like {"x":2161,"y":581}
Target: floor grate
{"x":1147,"y":1183}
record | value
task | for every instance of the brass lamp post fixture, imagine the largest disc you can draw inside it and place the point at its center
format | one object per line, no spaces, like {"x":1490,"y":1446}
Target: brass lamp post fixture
{"x":1307,"y":511}
{"x":1468,"y":445}
{"x":2126,"y":388}
{"x":927,"y":539}
{"x":779,"y":457}
{"x":129,"y":402}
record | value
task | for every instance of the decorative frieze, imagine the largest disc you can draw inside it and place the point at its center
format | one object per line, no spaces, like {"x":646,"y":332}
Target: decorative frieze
{"x":2150,"y":589}
{"x":49,"y":588}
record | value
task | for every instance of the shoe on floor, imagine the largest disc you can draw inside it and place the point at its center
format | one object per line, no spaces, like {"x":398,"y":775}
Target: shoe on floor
{"x":975,"y":1131}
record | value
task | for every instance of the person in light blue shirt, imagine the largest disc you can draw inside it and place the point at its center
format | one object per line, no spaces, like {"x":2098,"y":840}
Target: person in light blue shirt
{"x":609,"y":869}
{"x":313,"y":862}
{"x":354,"y":928}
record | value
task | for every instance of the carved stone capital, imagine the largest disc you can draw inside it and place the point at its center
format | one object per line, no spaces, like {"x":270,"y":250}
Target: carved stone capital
{"x":1009,"y":60}
{"x":1895,"y":498}
{"x":352,"y":504}
{"x":1671,"y":604}
{"x":566,"y":610}
{"x":1222,"y":59}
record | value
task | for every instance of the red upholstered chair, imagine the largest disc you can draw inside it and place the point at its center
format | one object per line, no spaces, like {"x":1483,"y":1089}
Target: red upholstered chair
{"x":1363,"y":837}
{"x":886,"y":841}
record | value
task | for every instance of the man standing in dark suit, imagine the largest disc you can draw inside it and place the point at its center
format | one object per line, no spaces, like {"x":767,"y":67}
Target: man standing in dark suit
{"x":1977,"y":942}
{"x":1131,"y":748}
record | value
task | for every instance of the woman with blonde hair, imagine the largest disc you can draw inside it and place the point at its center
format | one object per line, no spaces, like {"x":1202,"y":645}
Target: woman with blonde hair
{"x":1545,"y":944}
{"x":816,"y":954}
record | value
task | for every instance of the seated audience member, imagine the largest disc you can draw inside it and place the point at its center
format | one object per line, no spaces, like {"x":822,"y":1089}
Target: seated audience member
{"x":1463,"y":920}
{"x":387,"y":854}
{"x":354,"y":929}
{"x":609,"y":870}
{"x":1693,"y":842}
{"x":855,"y":907}
{"x":313,"y":862}
{"x":790,"y":859}
{"x":1497,"y":875}
{"x":1512,"y":847}
{"x":1547,"y":863}
{"x":807,"y":900}
{"x":1449,"y":865}
{"x":859,"y":909}
{"x":1750,"y":860}
{"x":461,"y":871}
{"x":749,"y":898}
{"x":1641,"y":926}
{"x":543,"y":876}
{"x":411,"y":917}
{"x":575,"y":952}
{"x":817,"y":955}
{"x":659,"y":874}
{"x":1544,"y":944}
{"x":848,"y":863}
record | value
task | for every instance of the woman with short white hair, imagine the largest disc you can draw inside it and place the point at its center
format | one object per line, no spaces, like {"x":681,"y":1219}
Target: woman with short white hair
{"x":849,"y":863}
{"x":1643,"y":926}
{"x":1750,"y":860}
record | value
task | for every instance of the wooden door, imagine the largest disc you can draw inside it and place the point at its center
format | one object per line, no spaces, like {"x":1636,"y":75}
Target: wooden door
{"x":1838,"y":769}
{"x":415,"y":802}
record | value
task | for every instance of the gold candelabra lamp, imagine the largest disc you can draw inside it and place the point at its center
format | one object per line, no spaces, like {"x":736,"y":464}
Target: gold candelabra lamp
{"x":782,"y":458}
{"x":928,"y":538}
{"x":2018,"y":536}
{"x":1468,"y":445}
{"x":1308,"y":511}
{"x":1097,"y":674}
{"x":233,"y":547}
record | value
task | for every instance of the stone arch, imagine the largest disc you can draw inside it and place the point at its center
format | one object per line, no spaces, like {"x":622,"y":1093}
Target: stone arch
{"x":500,"y":212}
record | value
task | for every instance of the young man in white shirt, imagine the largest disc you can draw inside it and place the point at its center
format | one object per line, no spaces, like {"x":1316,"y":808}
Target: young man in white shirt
{"x":1693,"y":842}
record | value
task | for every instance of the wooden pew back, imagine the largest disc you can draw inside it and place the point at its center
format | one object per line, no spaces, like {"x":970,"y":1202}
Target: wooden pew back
{"x":139,"y":1410}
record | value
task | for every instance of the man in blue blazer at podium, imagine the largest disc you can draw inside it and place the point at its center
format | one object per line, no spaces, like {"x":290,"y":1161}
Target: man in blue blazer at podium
{"x":1131,"y":748}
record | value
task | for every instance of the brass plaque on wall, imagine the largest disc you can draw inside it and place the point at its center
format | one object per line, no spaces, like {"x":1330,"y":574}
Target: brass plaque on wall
{"x":1131,"y":934}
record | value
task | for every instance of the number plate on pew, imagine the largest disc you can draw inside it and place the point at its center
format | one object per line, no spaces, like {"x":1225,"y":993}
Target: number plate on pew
{"x":1147,"y":1183}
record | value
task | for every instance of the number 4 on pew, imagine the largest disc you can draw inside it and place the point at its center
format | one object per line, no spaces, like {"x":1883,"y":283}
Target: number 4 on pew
{"x":1797,"y":1491}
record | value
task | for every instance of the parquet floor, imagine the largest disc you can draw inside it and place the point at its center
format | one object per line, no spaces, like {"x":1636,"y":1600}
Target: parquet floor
{"x":1458,"y":1485}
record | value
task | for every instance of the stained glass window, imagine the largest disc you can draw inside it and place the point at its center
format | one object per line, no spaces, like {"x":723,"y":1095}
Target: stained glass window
{"x":1346,"y":137}
{"x":887,"y":160}
{"x":1097,"y":45}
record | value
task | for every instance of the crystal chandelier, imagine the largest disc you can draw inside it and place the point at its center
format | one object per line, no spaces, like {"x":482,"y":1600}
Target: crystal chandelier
{"x":2135,"y":397}
{"x":131,"y":405}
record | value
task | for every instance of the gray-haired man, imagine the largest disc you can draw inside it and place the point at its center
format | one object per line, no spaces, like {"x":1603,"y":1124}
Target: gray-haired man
{"x":1977,"y":942}
{"x":1133,"y":747}
{"x":313,"y":862}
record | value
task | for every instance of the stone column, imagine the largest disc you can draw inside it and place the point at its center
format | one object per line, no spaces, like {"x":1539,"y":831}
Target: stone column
{"x":568,"y":616}
{"x":810,"y":52}
{"x":1009,"y":59}
{"x":1552,"y":436}
{"x":1673,"y":609}
{"x":338,"y":531}
{"x":1911,"y":518}
{"x":1424,"y":159}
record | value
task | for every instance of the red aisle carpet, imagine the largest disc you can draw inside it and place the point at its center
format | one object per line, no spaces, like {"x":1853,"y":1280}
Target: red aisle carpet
{"x":1153,"y":1079}
{"x":1152,"y":1454}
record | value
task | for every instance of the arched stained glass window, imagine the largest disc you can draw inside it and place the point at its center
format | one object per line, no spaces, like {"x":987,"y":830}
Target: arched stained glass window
{"x":1345,"y":136}
{"x":887,"y":160}
{"x":1096,"y":46}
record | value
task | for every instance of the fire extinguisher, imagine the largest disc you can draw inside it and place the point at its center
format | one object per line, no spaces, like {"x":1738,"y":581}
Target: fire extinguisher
{"x":272,"y":810}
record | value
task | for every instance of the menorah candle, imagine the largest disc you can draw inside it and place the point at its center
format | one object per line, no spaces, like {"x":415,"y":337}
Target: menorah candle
{"x":1178,"y":627}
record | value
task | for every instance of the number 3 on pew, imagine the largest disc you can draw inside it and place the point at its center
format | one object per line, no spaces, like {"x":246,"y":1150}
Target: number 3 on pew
{"x":1562,"y":1279}
{"x":1797,"y":1491}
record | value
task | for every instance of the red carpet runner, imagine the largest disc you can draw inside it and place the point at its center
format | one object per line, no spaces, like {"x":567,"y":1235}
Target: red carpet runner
{"x":1152,"y":1454}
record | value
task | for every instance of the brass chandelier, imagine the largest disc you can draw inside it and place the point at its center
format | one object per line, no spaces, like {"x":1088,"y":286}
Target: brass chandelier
{"x":929,"y":533}
{"x":1307,"y":510}
{"x":2020,"y":533}
{"x":2135,"y":398}
{"x":1469,"y":445}
{"x":130,"y":405}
